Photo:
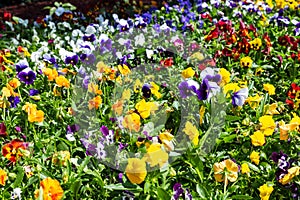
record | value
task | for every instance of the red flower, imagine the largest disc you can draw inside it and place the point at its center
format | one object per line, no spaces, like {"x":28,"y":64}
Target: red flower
{"x":206,"y":16}
{"x":11,"y":150}
{"x":213,"y":34}
{"x":293,"y":90}
{"x":224,"y":26}
{"x":243,"y":31}
{"x":267,"y":39}
{"x":3,"y":132}
{"x":244,"y":46}
{"x":7,"y":16}
{"x":167,"y":62}
{"x":290,"y":103}
{"x":284,"y":40}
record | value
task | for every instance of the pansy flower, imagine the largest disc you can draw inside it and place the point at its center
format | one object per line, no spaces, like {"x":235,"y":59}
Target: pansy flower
{"x":89,"y":38}
{"x":14,"y":101}
{"x":51,"y":189}
{"x":3,"y":132}
{"x":27,"y":76}
{"x":21,"y":65}
{"x":136,"y":170}
{"x":12,"y":151}
{"x":72,"y":59}
{"x":239,"y":97}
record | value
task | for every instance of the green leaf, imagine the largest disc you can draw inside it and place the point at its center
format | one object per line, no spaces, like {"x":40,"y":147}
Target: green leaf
{"x":19,"y":177}
{"x":231,"y":118}
{"x":241,"y":197}
{"x":162,"y":194}
{"x":56,"y":4}
{"x":201,"y":191}
{"x":75,"y":188}
{"x":253,"y":167}
{"x":229,"y":138}
{"x":119,"y":186}
{"x":83,"y":164}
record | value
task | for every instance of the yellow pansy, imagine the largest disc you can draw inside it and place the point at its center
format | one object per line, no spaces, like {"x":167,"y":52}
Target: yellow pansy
{"x":188,"y":73}
{"x":255,"y":44}
{"x":132,"y":122}
{"x":231,"y":170}
{"x":254,"y":101}
{"x":137,"y":85}
{"x":258,"y":139}
{"x":124,"y":70}
{"x":192,"y":132}
{"x":145,"y":108}
{"x":126,"y":94}
{"x":156,"y":155}
{"x":267,"y":125}
{"x":136,"y":170}
{"x":265,"y":191}
{"x":269,"y":88}
{"x":246,"y":62}
{"x":292,"y":172}
{"x":225,"y":76}
{"x":254,"y":157}
{"x":154,"y":90}
{"x":245,"y":168}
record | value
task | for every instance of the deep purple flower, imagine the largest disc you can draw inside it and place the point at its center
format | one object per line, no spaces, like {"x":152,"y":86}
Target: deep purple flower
{"x":279,"y":174}
{"x":283,"y":164}
{"x":239,"y":97}
{"x":73,"y":60}
{"x":27,"y":76}
{"x":276,"y":156}
{"x":33,"y":92}
{"x":91,"y":150}
{"x":90,"y":38}
{"x":83,"y":56}
{"x":13,"y":101}
{"x":177,"y":191}
{"x":89,"y":59}
{"x":104,"y":130}
{"x":86,"y":82}
{"x":3,"y":132}
{"x":146,"y":90}
{"x":21,"y":65}
{"x":188,"y":195}
{"x":216,"y":78}
{"x":49,"y":59}
{"x":73,"y":128}
{"x":120,"y":177}
{"x":122,"y":146}
{"x":188,"y":88}
{"x":203,"y":92}
{"x":295,"y":191}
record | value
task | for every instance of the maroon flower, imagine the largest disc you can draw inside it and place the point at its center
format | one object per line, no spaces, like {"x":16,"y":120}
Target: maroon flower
{"x":3,"y":132}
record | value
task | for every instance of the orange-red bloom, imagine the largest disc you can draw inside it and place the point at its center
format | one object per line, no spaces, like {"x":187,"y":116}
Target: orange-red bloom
{"x":12,"y":151}
{"x":51,"y":189}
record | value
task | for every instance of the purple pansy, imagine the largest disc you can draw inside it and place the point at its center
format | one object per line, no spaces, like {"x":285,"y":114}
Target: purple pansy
{"x":27,"y":76}
{"x":90,"y":38}
{"x":33,"y":92}
{"x":21,"y":65}
{"x":73,"y":60}
{"x":13,"y":101}
{"x":239,"y":97}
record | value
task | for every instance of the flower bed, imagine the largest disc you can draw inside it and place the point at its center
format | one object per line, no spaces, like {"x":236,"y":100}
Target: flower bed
{"x":190,"y":101}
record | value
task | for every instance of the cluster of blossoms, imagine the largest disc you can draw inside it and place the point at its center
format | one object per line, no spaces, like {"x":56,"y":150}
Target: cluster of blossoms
{"x":293,"y":96}
{"x":39,"y":76}
{"x":286,"y":172}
